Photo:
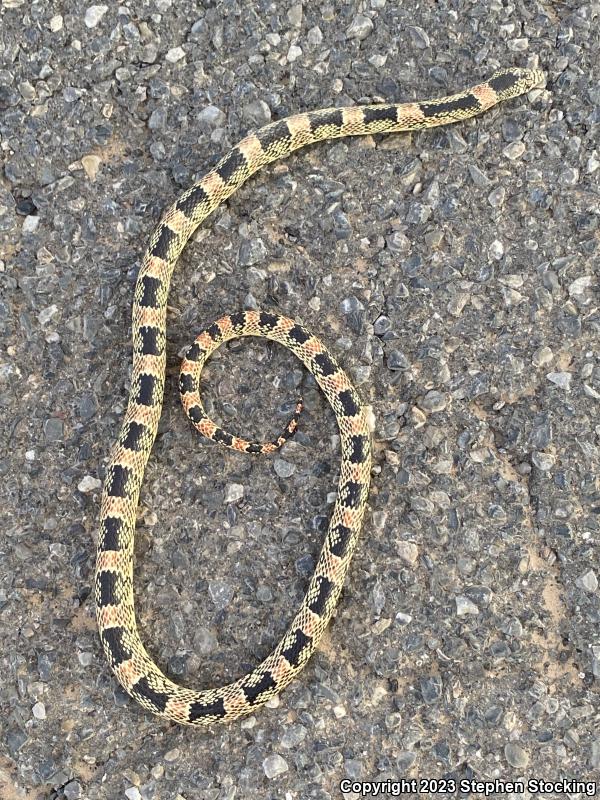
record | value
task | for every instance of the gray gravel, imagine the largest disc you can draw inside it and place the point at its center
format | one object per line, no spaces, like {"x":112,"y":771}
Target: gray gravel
{"x":452,"y":272}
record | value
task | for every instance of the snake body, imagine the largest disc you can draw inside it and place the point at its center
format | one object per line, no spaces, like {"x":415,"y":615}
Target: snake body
{"x":132,"y":665}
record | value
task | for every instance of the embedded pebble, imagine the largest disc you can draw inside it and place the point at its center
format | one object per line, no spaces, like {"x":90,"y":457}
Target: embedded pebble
{"x":93,"y":15}
{"x":294,"y":15}
{"x":419,"y":37}
{"x":579,"y":286}
{"x":516,"y":755}
{"x":175,"y":54}
{"x":407,"y":551}
{"x":91,"y":165}
{"x":465,"y":606}
{"x":434,"y":401}
{"x":252,"y":251}
{"x":39,"y":711}
{"x":221,"y":593}
{"x":258,"y":113}
{"x":543,"y":461}
{"x":294,"y":53}
{"x":562,"y":379}
{"x":210,"y":115}
{"x":234,"y":492}
{"x":514,"y":150}
{"x":542,"y":356}
{"x":54,"y":429}
{"x":89,"y":484}
{"x":588,"y":581}
{"x":497,"y":196}
{"x":360,"y":28}
{"x":397,"y":360}
{"x":283,"y":468}
{"x":72,"y":790}
{"x":47,"y":314}
{"x":274,"y":766}
{"x":496,"y":249}
{"x":30,"y":224}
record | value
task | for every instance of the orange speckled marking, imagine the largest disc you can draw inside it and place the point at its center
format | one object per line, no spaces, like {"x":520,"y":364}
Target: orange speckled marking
{"x":353,"y":118}
{"x":280,"y":669}
{"x":126,"y":458}
{"x":116,"y":506}
{"x":252,"y":150}
{"x":486,"y":95}
{"x":410,"y":113}
{"x":178,"y":708}
{"x":177,"y":222}
{"x":109,"y":560}
{"x":155,"y":267}
{"x":110,"y":616}
{"x":226,"y":326}
{"x":206,"y":343}
{"x":129,"y":671}
{"x":151,"y":316}
{"x":235,"y":702}
{"x":253,"y":317}
{"x":299,"y":126}
{"x":213,"y":184}
{"x":140,"y":413}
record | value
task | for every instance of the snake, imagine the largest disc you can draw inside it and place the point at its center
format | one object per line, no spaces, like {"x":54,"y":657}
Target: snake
{"x":133,"y":667}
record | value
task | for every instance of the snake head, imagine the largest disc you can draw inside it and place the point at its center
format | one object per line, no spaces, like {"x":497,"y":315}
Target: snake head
{"x":515,"y":81}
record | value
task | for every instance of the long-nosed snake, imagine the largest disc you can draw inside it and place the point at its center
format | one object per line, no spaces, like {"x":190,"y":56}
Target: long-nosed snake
{"x":132,"y":665}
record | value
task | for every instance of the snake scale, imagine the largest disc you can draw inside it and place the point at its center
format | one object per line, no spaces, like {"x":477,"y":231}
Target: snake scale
{"x":132,"y":665}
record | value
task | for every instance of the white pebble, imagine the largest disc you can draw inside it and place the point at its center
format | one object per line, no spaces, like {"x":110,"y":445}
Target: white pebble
{"x":233,"y":492}
{"x":592,"y":164}
{"x":360,"y":28}
{"x":514,"y":150}
{"x":294,"y":15}
{"x":175,"y":54}
{"x":542,"y":356}
{"x":274,"y":766}
{"x":465,"y":606}
{"x":293,"y":53}
{"x":94,"y":14}
{"x":588,"y":581}
{"x":39,"y":711}
{"x":408,"y":551}
{"x":562,"y":379}
{"x":46,"y":314}
{"x":89,"y":484}
{"x":91,"y":165}
{"x":56,"y":23}
{"x":378,"y":60}
{"x":315,"y":36}
{"x":580,"y":285}
{"x":496,"y":249}
{"x":30,"y":223}
{"x":518,"y":45}
{"x":543,"y":461}
{"x":133,"y":793}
